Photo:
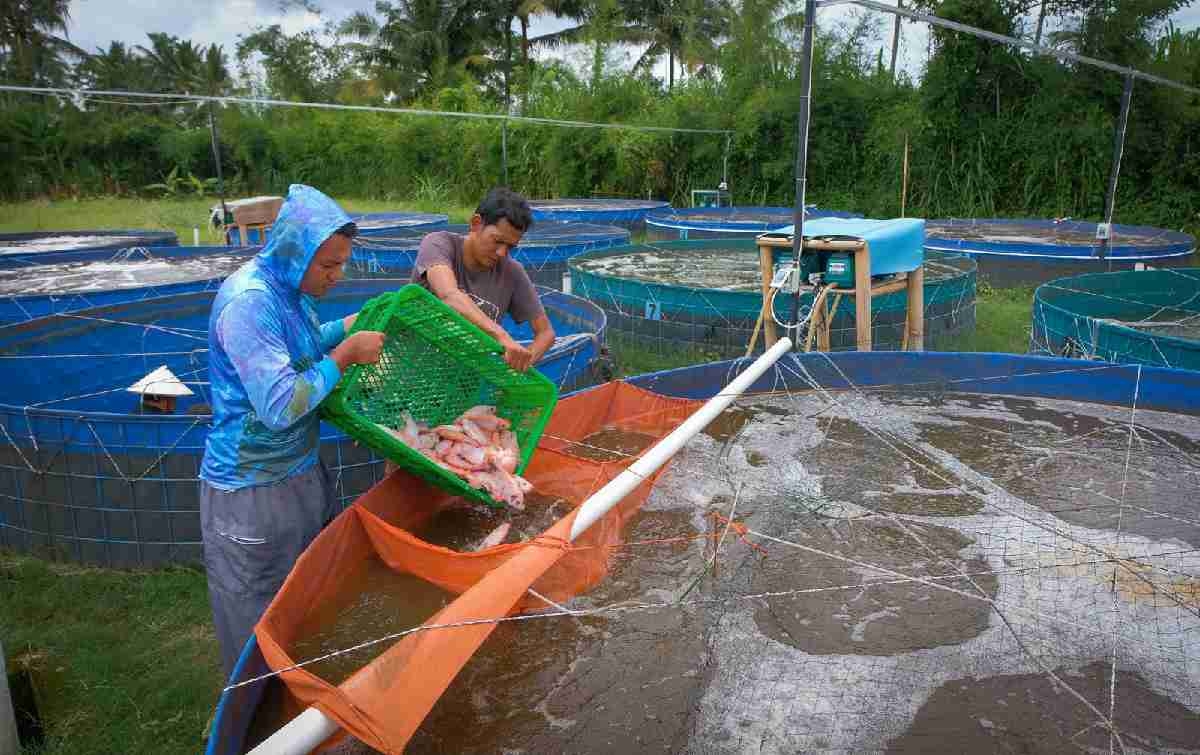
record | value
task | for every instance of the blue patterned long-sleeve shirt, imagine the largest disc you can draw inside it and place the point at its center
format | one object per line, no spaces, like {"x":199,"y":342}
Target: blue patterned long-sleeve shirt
{"x":268,"y":354}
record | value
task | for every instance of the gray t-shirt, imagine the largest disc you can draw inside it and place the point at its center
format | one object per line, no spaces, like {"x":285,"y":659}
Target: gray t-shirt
{"x":505,"y":289}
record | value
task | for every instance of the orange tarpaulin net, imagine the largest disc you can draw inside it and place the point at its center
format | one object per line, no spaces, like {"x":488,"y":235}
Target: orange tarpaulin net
{"x":385,"y":702}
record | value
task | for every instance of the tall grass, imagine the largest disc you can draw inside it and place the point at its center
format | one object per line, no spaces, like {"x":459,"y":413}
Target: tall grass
{"x":1045,"y":153}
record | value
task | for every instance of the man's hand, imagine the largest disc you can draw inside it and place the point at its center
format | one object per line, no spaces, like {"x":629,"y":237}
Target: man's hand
{"x":362,"y":347}
{"x":515,"y":355}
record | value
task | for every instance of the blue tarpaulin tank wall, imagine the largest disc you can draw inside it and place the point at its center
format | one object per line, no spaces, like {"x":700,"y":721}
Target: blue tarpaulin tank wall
{"x":55,"y":282}
{"x":384,"y":223}
{"x":1134,"y":317}
{"x":369,"y":224}
{"x":63,"y":241}
{"x":543,"y":251}
{"x":1031,"y":564}
{"x":627,"y":213}
{"x":727,"y":222}
{"x":704,"y":298}
{"x":87,"y":474}
{"x":1029,"y":251}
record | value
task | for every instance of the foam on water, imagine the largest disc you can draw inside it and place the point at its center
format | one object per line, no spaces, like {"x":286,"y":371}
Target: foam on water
{"x":1017,"y":233}
{"x":877,"y":626}
{"x":729,"y":269}
{"x":1054,"y":579}
{"x":63,"y":243}
{"x":116,"y":274}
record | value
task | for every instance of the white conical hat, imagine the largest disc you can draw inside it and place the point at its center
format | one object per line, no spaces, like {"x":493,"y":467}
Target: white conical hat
{"x":161,"y":382}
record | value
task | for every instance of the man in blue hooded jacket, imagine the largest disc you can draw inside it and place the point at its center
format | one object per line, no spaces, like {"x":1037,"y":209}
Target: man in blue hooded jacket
{"x":264,"y":493}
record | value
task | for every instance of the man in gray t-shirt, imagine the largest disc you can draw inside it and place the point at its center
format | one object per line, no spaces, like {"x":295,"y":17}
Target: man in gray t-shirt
{"x":475,"y":275}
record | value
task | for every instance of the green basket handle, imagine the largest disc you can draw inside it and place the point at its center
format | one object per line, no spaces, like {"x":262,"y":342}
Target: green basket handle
{"x":366,"y":311}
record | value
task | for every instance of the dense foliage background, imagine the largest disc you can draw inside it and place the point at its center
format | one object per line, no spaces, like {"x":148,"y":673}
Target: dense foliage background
{"x":990,"y":131}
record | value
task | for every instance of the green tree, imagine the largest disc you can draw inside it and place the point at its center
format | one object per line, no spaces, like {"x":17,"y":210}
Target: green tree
{"x":177,"y":65}
{"x":34,"y":49}
{"x":298,"y":66}
{"x":116,"y":68}
{"x":684,"y":30}
{"x":1118,"y":31}
{"x":687,"y":32}
{"x":761,"y":45}
{"x":421,"y":46}
{"x":968,"y":78}
{"x":600,"y":23}
{"x":523,"y":11}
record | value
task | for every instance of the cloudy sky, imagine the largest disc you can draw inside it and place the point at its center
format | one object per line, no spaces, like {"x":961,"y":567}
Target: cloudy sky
{"x":94,"y":23}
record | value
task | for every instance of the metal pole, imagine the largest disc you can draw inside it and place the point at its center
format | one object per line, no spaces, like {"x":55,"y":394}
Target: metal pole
{"x":725,"y":162}
{"x":1118,"y":150}
{"x":896,"y":38}
{"x":504,"y":152}
{"x":1037,"y":36}
{"x":810,"y":12}
{"x":216,"y":149}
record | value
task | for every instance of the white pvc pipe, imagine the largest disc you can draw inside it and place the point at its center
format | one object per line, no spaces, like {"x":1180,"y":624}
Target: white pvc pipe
{"x":303,"y":733}
{"x":598,"y":504}
{"x":300,"y":735}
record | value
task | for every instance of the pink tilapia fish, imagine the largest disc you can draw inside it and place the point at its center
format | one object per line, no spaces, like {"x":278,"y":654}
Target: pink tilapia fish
{"x":479,"y":447}
{"x":494,"y":538}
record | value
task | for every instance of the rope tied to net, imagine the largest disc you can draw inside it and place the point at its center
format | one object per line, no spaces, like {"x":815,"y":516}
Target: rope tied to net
{"x":742,"y":531}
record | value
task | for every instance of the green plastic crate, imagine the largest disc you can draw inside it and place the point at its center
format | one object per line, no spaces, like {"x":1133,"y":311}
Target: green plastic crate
{"x":435,"y":365}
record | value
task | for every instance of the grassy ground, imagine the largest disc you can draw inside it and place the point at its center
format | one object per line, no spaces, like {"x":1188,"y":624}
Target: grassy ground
{"x":179,"y":215}
{"x":122,"y":662}
{"x":127,"y":662}
{"x":1003,"y":317}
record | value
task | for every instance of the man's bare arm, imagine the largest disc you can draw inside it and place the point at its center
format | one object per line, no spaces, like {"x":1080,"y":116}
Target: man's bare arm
{"x":442,"y":281}
{"x":543,"y":337}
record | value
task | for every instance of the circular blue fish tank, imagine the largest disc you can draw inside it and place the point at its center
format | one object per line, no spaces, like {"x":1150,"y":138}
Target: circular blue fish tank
{"x":543,"y":251}
{"x":1026,"y":251}
{"x":57,"y":282}
{"x":39,"y":242}
{"x":627,"y":213}
{"x":727,"y":222}
{"x":88,"y":474}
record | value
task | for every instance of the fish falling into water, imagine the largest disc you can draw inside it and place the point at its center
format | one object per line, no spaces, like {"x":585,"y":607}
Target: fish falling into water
{"x":479,"y":447}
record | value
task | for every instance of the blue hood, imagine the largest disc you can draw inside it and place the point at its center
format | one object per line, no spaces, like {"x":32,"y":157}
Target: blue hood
{"x":268,"y":361}
{"x":307,"y":218}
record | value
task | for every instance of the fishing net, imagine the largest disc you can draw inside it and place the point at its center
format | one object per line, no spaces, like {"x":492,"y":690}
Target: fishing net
{"x":864,"y":553}
{"x":385,"y":702}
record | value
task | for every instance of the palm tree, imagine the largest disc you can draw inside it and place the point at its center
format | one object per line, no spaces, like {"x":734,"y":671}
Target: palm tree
{"x":524,"y":11}
{"x":420,"y":44}
{"x":600,"y":22}
{"x":115,"y":68}
{"x":175,"y":65}
{"x":758,"y":48}
{"x":684,"y":30}
{"x":504,"y":12}
{"x":1177,"y":55}
{"x":168,"y":61}
{"x":33,"y":44}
